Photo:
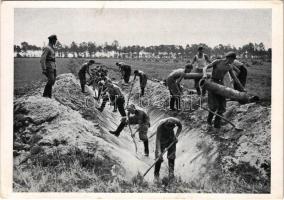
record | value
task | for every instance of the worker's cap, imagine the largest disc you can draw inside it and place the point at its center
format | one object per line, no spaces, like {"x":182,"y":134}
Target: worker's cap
{"x":231,"y":54}
{"x":136,"y":71}
{"x":52,"y":37}
{"x":117,"y":63}
{"x":91,"y":61}
{"x":131,"y":107}
{"x":200,"y":48}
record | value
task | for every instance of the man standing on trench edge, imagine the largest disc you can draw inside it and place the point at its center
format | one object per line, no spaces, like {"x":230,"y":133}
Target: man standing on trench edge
{"x":143,"y":80}
{"x":165,"y":137}
{"x":142,"y":119}
{"x":201,"y":59}
{"x":48,"y":65}
{"x":125,"y":71}
{"x":217,"y":102}
{"x":173,"y":82}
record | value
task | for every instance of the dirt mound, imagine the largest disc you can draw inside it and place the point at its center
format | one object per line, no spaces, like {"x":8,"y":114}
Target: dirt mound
{"x":49,"y":130}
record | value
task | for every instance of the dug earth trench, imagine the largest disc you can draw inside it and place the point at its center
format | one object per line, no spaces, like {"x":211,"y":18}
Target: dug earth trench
{"x":68,"y":129}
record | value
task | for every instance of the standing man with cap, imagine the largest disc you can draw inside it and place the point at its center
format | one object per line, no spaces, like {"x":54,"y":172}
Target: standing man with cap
{"x":164,"y":138}
{"x":173,"y":82}
{"x":138,"y":117}
{"x":125,"y":71}
{"x":48,"y":65}
{"x":217,"y":102}
{"x":82,"y":73}
{"x":201,"y":59}
{"x":142,"y":78}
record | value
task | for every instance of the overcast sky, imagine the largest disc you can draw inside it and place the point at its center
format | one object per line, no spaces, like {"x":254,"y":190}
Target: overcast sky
{"x":144,"y":26}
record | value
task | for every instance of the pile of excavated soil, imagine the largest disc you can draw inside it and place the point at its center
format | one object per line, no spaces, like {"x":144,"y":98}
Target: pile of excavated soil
{"x":71,"y":121}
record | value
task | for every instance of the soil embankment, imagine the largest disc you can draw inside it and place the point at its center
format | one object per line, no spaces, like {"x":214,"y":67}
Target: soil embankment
{"x":49,"y":130}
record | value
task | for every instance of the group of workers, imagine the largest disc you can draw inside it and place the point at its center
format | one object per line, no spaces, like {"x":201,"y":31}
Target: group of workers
{"x":165,"y":135}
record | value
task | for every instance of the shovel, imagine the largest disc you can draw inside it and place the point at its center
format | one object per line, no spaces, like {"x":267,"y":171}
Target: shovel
{"x":157,"y":159}
{"x":235,"y":127}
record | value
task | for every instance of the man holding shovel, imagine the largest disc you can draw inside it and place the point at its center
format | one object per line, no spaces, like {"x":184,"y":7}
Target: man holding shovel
{"x":138,"y":117}
{"x":166,"y":138}
{"x":142,"y":78}
{"x":216,"y":102}
{"x":82,"y":74}
{"x":125,"y":71}
{"x":173,"y":83}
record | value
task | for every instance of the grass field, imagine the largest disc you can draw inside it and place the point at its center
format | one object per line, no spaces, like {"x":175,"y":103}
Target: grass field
{"x":27,"y":70}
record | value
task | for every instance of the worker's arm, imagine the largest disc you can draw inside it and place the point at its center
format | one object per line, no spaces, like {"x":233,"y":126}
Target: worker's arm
{"x":193,"y":61}
{"x":43,"y":59}
{"x":236,"y":80}
{"x":180,"y":78}
{"x":207,"y":58}
{"x":179,"y":125}
{"x":134,"y":77}
{"x":208,"y":67}
{"x":88,"y":70}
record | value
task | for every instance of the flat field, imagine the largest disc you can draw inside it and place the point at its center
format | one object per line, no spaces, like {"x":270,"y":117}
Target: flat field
{"x":27,"y":70}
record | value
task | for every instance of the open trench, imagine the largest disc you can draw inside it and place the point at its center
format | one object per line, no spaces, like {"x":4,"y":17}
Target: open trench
{"x":196,"y":151}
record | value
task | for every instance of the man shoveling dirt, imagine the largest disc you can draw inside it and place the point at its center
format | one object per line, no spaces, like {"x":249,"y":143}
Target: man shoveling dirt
{"x":143,"y":80}
{"x":82,"y":73}
{"x":125,"y":71}
{"x":165,"y":138}
{"x":142,"y":119}
{"x":217,"y":102}
{"x":173,"y":82}
{"x":116,"y":96}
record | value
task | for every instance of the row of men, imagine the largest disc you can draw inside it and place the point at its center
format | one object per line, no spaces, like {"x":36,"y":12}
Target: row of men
{"x":165,"y":133}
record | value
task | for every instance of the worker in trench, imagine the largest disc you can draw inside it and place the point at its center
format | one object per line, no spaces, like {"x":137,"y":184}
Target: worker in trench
{"x":217,"y":103}
{"x":201,"y":60}
{"x":173,"y":83}
{"x":164,"y":138}
{"x":116,"y":97}
{"x":48,"y":65}
{"x":140,"y":117}
{"x":125,"y":71}
{"x":143,"y":80}
{"x":82,"y":74}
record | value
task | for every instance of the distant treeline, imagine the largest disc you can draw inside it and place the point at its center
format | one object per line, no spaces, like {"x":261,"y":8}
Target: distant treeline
{"x":91,"y":49}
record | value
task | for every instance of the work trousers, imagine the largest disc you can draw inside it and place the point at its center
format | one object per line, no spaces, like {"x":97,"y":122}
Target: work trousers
{"x":51,"y":76}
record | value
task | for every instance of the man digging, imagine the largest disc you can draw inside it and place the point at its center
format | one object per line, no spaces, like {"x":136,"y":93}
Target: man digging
{"x":164,"y":138}
{"x":143,"y":80}
{"x":138,"y":117}
{"x":125,"y":71}
{"x":217,"y":103}
{"x":82,"y":73}
{"x":173,"y":82}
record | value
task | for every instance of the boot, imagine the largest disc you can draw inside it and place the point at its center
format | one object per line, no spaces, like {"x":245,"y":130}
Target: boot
{"x":209,"y":118}
{"x":119,"y":129}
{"x":217,"y":122}
{"x":146,"y":148}
{"x":171,"y":163}
{"x":157,"y":169}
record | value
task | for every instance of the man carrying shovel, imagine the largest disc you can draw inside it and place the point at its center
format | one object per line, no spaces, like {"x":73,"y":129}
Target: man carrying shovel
{"x":166,"y":139}
{"x":125,"y":71}
{"x":216,"y":102}
{"x":138,"y":117}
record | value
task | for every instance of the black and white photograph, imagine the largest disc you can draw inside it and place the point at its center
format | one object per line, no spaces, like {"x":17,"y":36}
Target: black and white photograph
{"x":167,"y":100}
